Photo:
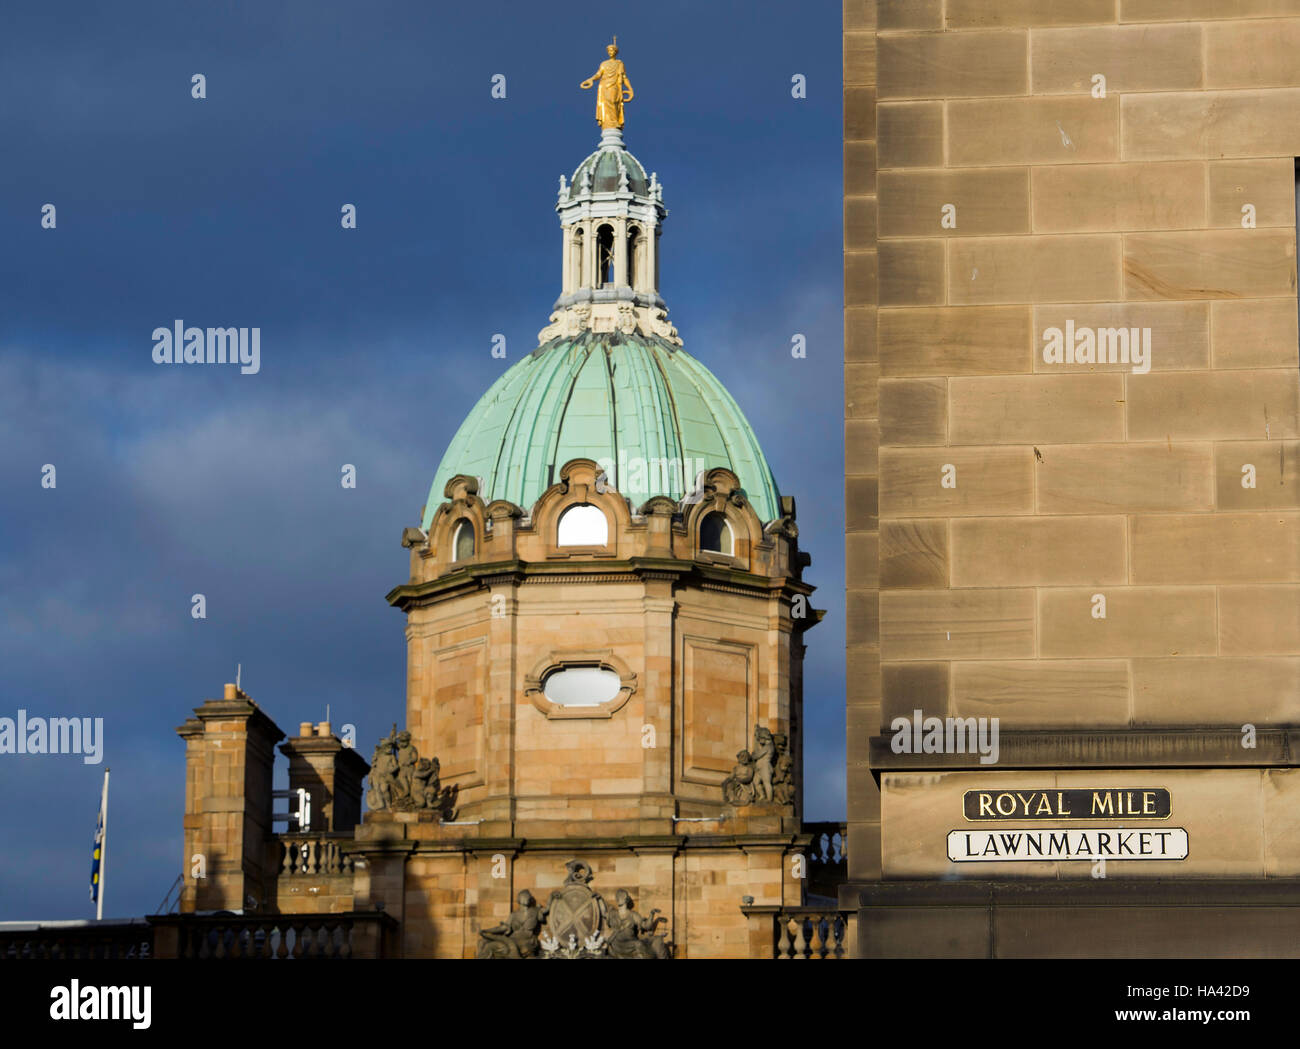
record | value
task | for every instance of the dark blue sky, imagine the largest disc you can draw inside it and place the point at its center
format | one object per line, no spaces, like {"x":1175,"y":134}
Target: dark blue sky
{"x":375,"y":344}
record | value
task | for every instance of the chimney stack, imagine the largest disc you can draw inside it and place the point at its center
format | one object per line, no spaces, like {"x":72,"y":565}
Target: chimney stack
{"x":229,"y":755}
{"x":330,"y":771}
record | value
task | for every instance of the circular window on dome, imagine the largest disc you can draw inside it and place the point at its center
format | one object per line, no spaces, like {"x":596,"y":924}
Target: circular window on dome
{"x":582,"y":525}
{"x":581,"y":686}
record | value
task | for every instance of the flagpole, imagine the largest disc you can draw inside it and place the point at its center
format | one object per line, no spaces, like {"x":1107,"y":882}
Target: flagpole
{"x":103,"y":851}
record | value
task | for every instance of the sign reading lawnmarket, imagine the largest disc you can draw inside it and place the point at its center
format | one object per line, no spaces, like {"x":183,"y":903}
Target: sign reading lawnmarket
{"x":1111,"y":843}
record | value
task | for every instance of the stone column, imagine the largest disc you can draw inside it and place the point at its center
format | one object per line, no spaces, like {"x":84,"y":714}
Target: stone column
{"x":620,"y":253}
{"x":566,"y":261}
{"x":640,"y":268}
{"x":589,"y":255}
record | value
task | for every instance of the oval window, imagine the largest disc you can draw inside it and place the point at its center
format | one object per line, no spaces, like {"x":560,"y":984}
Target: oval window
{"x":582,"y":525}
{"x":581,"y":686}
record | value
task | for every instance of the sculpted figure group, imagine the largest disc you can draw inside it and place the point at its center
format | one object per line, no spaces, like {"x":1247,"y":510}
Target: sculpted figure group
{"x":764,"y":775}
{"x":577,"y":922}
{"x":403,"y":781}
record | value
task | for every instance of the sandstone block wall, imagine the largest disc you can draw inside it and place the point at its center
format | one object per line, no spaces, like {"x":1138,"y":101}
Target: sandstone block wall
{"x":449,"y":897}
{"x":1014,"y":167}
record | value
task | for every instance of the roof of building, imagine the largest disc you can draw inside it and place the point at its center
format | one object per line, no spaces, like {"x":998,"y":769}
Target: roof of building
{"x":634,"y":401}
{"x":606,"y":167}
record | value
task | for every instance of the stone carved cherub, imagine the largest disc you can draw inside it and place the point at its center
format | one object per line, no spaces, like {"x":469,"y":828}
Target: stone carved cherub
{"x":407,"y":758}
{"x":426,"y":782}
{"x":764,"y":756}
{"x":383,"y":776}
{"x":783,"y":773}
{"x":738,"y":788}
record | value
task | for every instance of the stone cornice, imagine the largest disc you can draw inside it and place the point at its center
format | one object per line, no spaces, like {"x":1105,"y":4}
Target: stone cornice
{"x":1145,"y":748}
{"x":1077,"y":892}
{"x":575,"y":846}
{"x":256,"y":719}
{"x":475,"y":576}
{"x":346,"y":758}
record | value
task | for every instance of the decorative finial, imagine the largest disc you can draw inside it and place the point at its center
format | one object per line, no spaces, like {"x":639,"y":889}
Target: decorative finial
{"x":614,"y":89}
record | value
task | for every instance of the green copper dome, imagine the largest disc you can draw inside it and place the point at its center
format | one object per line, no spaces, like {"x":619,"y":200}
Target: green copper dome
{"x":633,"y":402}
{"x":605,"y":169}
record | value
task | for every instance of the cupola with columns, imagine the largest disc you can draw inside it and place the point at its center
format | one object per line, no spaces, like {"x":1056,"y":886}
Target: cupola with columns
{"x":610,"y":213}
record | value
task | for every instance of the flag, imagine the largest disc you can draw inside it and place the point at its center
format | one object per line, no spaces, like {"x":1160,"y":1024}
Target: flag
{"x":94,"y":862}
{"x":97,"y":856}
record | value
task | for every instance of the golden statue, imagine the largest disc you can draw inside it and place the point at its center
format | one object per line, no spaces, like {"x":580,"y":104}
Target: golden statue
{"x":615,"y":89}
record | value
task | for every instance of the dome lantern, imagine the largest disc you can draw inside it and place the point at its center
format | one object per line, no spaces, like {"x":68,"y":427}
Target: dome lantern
{"x":611,"y":213}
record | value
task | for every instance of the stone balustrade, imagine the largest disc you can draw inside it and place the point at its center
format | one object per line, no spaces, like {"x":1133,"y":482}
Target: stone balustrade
{"x":351,"y":935}
{"x":79,"y":941}
{"x":811,"y":932}
{"x":312,"y":854}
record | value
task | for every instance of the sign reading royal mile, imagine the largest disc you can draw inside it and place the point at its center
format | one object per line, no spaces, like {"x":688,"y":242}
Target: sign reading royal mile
{"x":1071,"y":842}
{"x":1079,"y":804}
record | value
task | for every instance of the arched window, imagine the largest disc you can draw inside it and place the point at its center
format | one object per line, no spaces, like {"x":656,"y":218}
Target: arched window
{"x":715,"y":534}
{"x":583,"y":525}
{"x":605,"y":257}
{"x":463,"y":543}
